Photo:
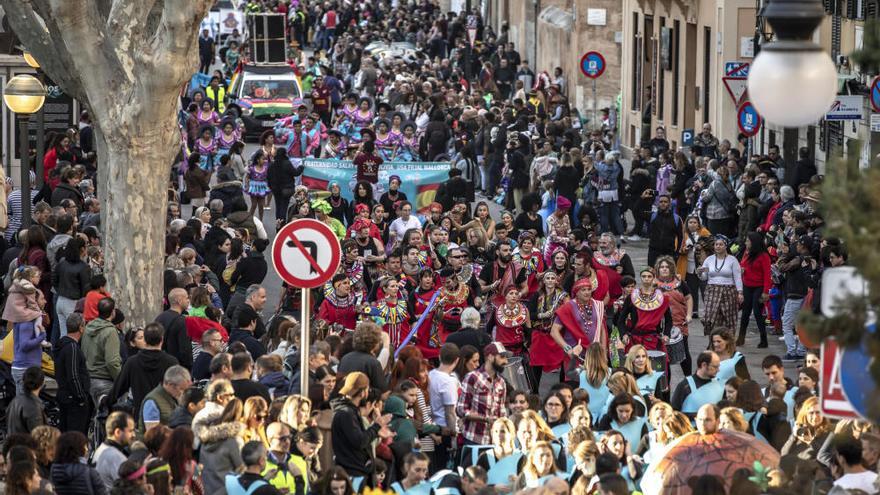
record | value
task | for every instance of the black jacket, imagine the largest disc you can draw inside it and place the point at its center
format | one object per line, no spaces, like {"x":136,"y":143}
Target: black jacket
{"x":24,"y":413}
{"x":351,"y":439}
{"x":254,"y":346}
{"x":251,"y":270}
{"x":76,"y":479}
{"x":71,"y":372}
{"x":66,"y":191}
{"x":177,"y":342}
{"x":365,"y":363}
{"x":180,"y":417}
{"x":282,"y":175}
{"x":71,"y":280}
{"x":141,"y":373}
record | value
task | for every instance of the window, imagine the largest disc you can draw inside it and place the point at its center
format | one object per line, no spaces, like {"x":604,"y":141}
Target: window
{"x":707,"y":68}
{"x":676,"y":46}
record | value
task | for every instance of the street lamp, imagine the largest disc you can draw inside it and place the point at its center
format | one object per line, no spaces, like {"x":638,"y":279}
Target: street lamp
{"x":24,"y":95}
{"x":31,"y":61}
{"x":41,"y":139}
{"x":792,"y":81}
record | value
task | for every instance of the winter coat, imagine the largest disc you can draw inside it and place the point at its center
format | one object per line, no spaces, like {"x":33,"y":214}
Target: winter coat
{"x":228,"y":192}
{"x":276,"y":383}
{"x":718,"y":195}
{"x":141,"y":374}
{"x":197,"y":182}
{"x":76,"y":479}
{"x":21,"y":303}
{"x":71,"y":280}
{"x":220,"y":455}
{"x":352,"y":439}
{"x":100,"y":344}
{"x":66,"y":191}
{"x":180,"y":417}
{"x":401,"y":424}
{"x":281,"y":177}
{"x":71,"y":372}
{"x":24,"y":413}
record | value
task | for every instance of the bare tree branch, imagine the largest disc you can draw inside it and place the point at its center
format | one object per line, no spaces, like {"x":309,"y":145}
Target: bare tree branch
{"x":53,"y":58}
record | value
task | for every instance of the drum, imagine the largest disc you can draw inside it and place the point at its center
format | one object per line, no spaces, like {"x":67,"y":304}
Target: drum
{"x":515,"y":374}
{"x":658,"y":360}
{"x":675,"y":347}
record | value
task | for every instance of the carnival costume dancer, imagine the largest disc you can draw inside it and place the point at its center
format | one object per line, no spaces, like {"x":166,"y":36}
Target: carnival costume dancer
{"x":645,"y":317}
{"x":580,"y":321}
{"x":512,"y":322}
{"x":393,"y":311}
{"x":454,"y":297}
{"x":545,"y":355}
{"x":558,"y":229}
{"x":338,"y":306}
{"x":530,"y":260}
{"x":420,"y":301}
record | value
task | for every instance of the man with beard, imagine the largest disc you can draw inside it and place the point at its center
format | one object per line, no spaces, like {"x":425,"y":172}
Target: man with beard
{"x":580,"y":321}
{"x":583,"y":269}
{"x":457,"y":262}
{"x":483,"y":396}
{"x":501,"y":273}
{"x":338,"y":306}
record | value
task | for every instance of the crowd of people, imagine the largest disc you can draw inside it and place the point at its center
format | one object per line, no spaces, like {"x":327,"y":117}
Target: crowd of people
{"x":456,"y":350}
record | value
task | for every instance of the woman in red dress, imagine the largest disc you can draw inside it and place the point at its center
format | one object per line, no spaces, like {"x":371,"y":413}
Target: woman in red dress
{"x":338,"y":306}
{"x":646,"y":318}
{"x":544,"y":353}
{"x":511,"y":322}
{"x":419,"y":301}
{"x":394,"y":312}
{"x":530,"y":260}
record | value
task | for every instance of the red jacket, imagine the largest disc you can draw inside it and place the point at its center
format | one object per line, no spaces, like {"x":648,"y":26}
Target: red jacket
{"x":756,"y":273}
{"x":196,"y":326}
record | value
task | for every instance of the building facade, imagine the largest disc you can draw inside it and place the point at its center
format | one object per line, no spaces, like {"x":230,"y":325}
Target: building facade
{"x":557,"y":33}
{"x":675,"y":56}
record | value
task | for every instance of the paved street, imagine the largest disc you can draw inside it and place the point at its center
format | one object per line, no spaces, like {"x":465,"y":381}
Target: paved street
{"x":638,"y":251}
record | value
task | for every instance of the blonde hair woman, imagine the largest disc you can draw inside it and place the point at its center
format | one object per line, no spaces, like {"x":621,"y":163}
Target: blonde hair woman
{"x":810,"y":431}
{"x":652,"y":448}
{"x":503,"y":443}
{"x":648,"y":381}
{"x":673,"y":427}
{"x":532,"y":429}
{"x":731,"y":418}
{"x":594,"y":379}
{"x":254,"y":419}
{"x":296,"y":412}
{"x":539,"y":464}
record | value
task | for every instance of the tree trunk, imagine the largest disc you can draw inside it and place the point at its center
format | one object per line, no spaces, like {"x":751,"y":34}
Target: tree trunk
{"x":133,"y":182}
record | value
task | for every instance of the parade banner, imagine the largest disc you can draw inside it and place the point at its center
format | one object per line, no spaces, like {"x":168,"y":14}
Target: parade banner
{"x":419,"y":180}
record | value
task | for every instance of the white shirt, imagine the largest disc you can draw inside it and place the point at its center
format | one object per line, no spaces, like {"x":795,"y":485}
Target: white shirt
{"x":400,"y":226}
{"x":443,"y":388}
{"x":727,"y":272}
{"x":858,"y":481}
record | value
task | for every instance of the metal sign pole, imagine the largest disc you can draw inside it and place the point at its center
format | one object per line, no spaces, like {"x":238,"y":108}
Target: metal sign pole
{"x":596,"y":124}
{"x":305,"y":312}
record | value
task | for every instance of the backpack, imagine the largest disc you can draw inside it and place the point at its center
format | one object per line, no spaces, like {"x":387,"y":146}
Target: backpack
{"x":233,"y":487}
{"x":675,"y":217}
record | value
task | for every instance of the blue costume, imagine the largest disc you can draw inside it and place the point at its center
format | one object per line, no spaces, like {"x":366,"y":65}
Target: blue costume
{"x":727,"y":370}
{"x":709,"y":393}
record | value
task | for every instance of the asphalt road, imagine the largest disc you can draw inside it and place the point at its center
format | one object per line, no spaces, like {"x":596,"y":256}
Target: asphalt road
{"x":638,"y":253}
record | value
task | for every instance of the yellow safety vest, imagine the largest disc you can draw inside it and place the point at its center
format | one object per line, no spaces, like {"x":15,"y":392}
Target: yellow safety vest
{"x":218,"y":99}
{"x":285,"y":475}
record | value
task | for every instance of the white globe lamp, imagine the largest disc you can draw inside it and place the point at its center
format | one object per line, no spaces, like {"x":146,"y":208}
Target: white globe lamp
{"x":793,"y":82}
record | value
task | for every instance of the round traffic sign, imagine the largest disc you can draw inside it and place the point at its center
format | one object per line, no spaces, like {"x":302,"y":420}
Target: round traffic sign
{"x":306,"y":253}
{"x":593,"y":64}
{"x":875,"y":94}
{"x":748,"y":120}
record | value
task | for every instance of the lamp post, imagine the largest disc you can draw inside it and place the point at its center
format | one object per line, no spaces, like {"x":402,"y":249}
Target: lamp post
{"x":41,"y":139}
{"x":24,"y":95}
{"x":792,"y":81}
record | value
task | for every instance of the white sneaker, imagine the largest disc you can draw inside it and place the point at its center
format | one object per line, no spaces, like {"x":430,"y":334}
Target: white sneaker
{"x":634,"y":238}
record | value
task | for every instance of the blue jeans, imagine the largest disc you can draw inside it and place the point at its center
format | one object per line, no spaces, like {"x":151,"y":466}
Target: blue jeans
{"x":64,"y":307}
{"x":609,"y":217}
{"x":789,"y":316}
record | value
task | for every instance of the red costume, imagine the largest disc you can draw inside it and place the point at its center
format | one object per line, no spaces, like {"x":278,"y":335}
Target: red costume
{"x":335,"y":310}
{"x":419,"y":301}
{"x":646,"y":317}
{"x":598,"y":281}
{"x":396,"y":318}
{"x":533,"y":264}
{"x":583,"y":324}
{"x":544,"y":351}
{"x":509,"y":322}
{"x":447,"y":313}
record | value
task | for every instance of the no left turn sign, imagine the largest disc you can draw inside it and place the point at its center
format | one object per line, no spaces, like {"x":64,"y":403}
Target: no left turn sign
{"x":306,"y":253}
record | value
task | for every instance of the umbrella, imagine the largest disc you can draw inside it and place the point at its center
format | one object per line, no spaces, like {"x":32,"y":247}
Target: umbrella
{"x":693,"y":454}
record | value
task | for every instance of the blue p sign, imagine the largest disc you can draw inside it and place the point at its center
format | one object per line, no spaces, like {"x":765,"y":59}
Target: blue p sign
{"x":687,"y":137}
